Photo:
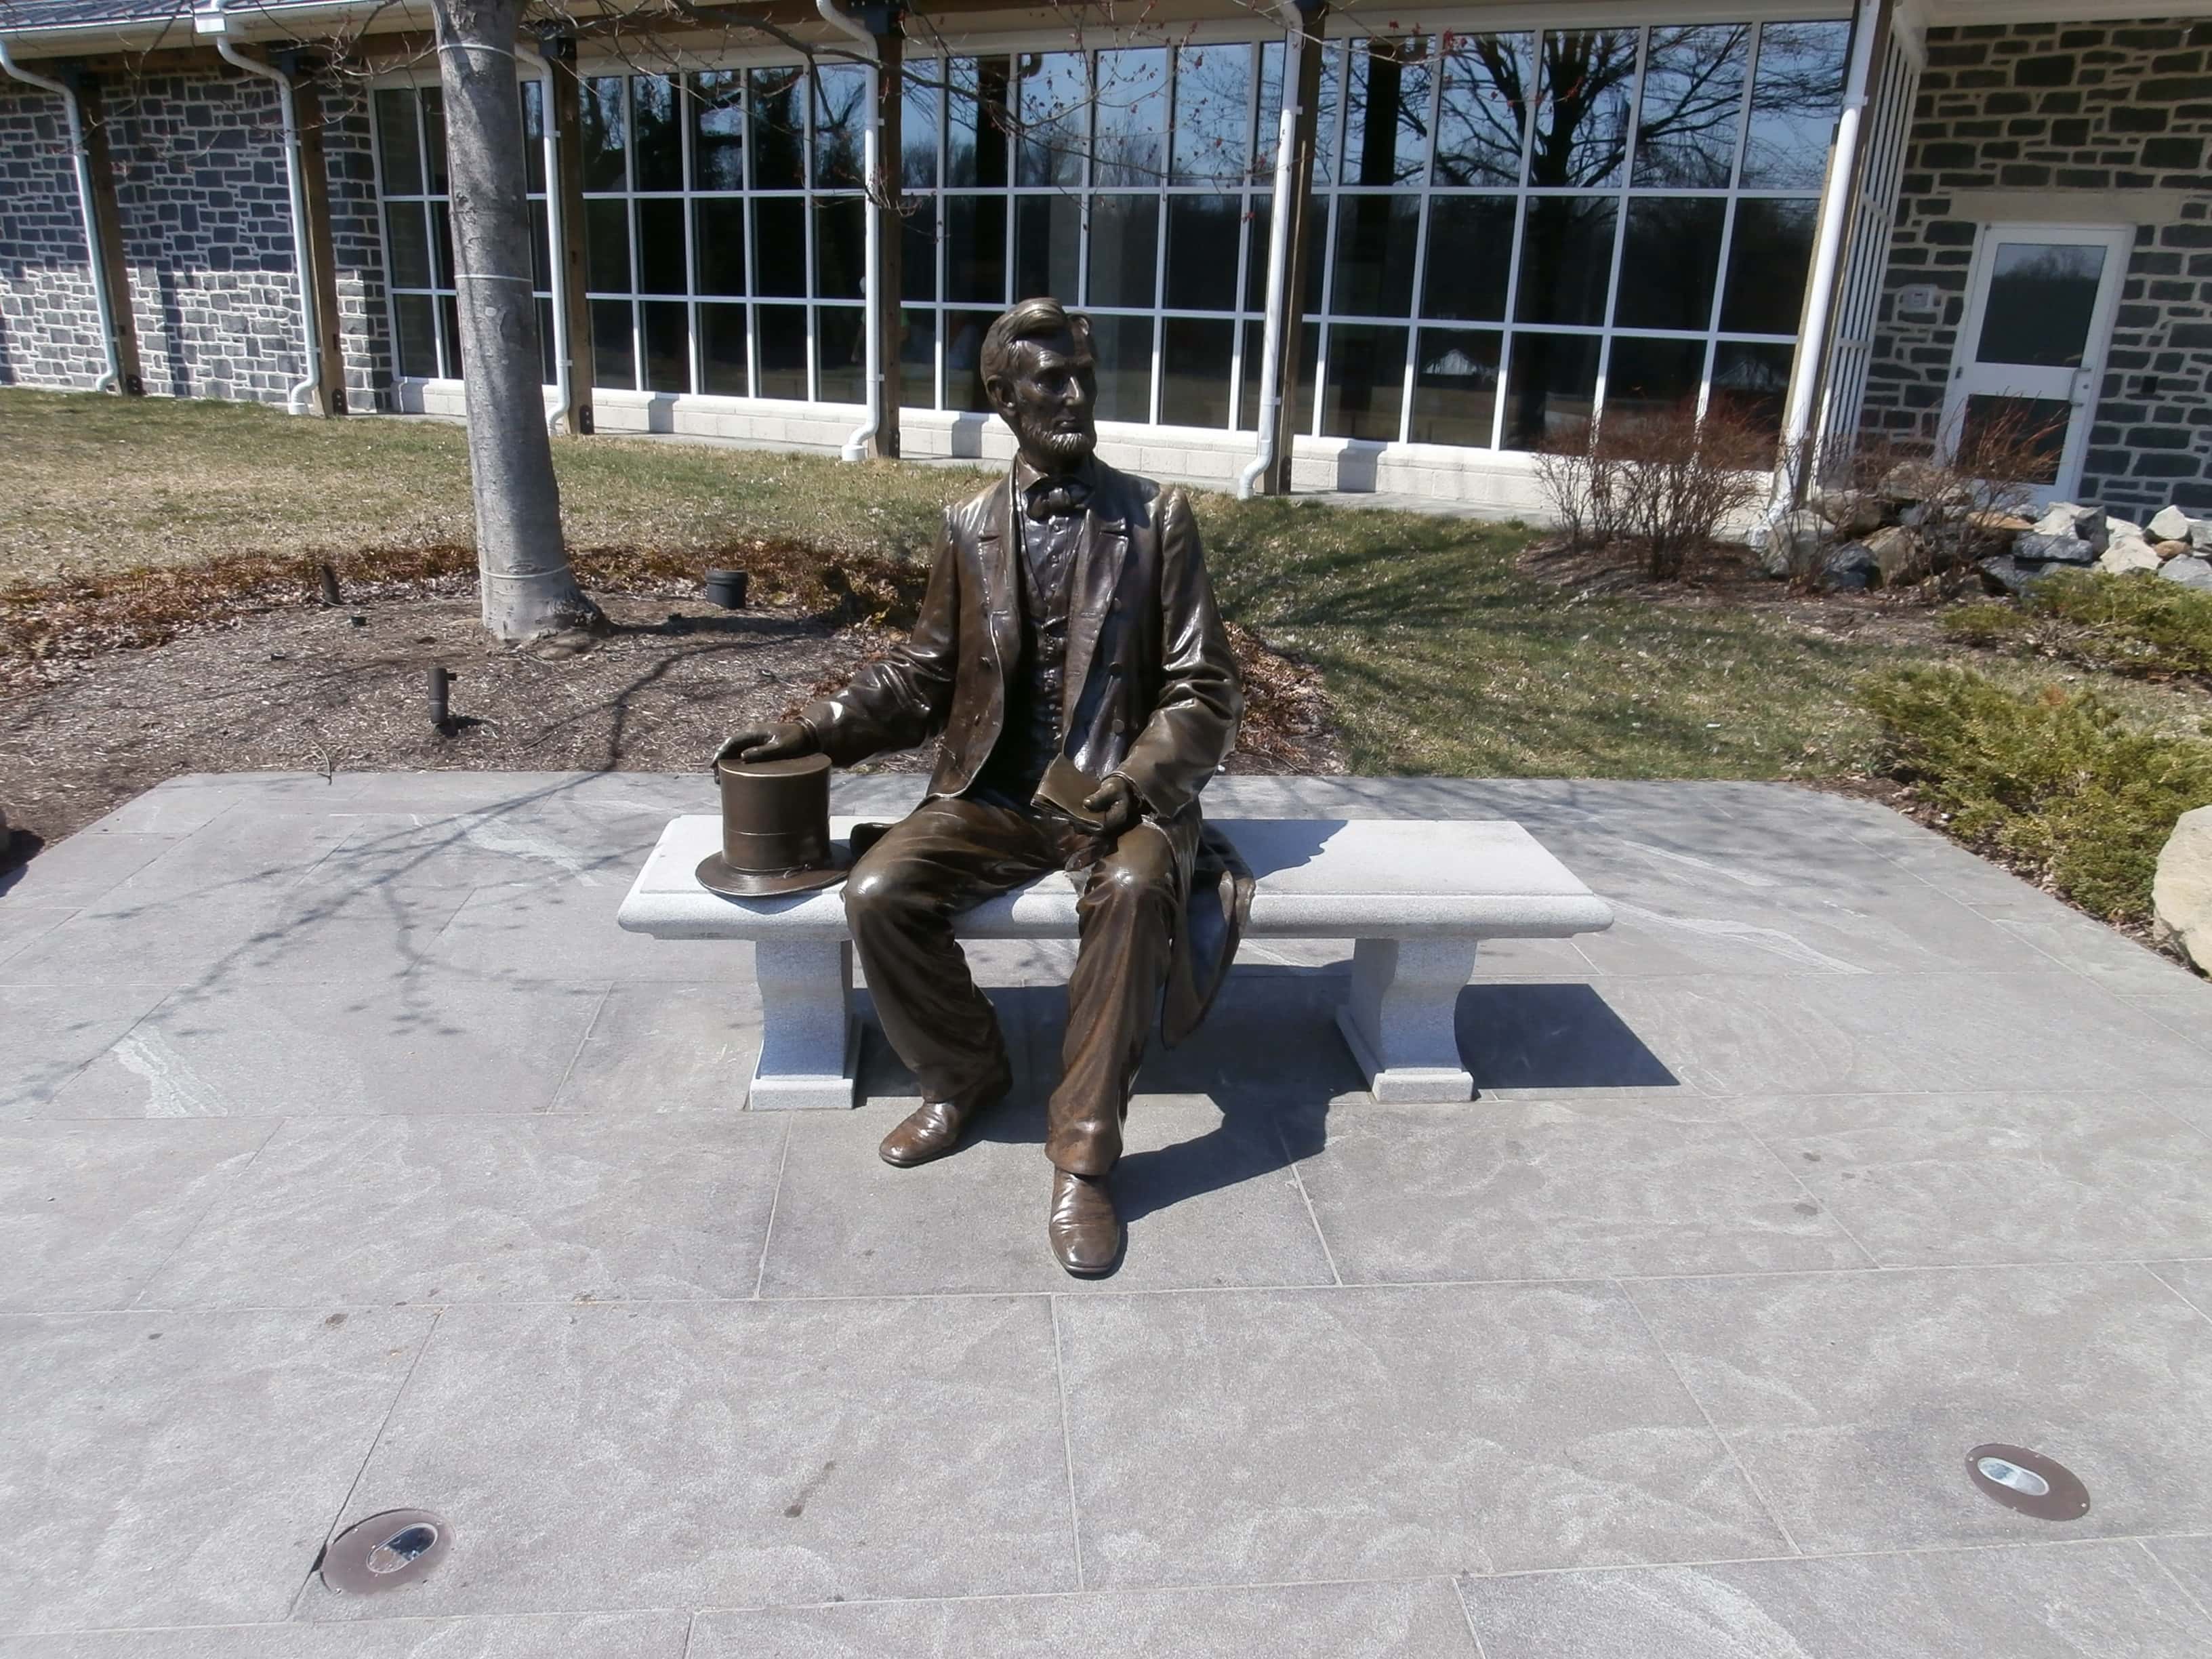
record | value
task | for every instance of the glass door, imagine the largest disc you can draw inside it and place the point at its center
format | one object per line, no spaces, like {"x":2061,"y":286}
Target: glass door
{"x":2030,"y":356}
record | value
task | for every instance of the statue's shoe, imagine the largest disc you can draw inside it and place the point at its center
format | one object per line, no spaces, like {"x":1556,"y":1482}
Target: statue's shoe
{"x":1086,"y":1232}
{"x":934,"y":1127}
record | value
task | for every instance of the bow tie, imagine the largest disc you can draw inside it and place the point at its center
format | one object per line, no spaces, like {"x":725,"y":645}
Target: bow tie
{"x":1056,"y":499}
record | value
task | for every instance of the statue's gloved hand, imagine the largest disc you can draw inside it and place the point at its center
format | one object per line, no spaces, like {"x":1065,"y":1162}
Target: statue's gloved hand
{"x":1116,"y":804}
{"x":781,"y":740}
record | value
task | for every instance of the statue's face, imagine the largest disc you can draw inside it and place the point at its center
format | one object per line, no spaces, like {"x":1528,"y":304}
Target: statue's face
{"x":1050,"y":402}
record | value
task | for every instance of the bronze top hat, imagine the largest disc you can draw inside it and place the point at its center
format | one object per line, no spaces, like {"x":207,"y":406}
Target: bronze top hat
{"x":776,"y":829}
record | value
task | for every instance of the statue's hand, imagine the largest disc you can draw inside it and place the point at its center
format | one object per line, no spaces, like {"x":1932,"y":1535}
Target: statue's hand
{"x":782,"y":740}
{"x":1117,"y":805}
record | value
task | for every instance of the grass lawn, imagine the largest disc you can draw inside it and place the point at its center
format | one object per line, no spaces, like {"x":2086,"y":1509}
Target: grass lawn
{"x":1440,"y":656}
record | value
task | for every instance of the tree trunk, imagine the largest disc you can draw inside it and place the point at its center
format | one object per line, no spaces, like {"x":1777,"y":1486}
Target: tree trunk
{"x":528,"y":589}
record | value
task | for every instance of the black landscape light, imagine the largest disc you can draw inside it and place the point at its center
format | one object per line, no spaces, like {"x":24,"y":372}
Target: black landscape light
{"x":727,"y":588}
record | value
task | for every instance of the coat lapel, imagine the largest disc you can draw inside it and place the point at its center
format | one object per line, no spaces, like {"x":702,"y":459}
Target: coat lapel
{"x":1099,"y":555}
{"x":994,"y":554}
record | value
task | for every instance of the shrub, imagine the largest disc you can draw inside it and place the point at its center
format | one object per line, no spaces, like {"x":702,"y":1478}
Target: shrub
{"x":2056,"y":784}
{"x":1668,"y":481}
{"x":2132,"y":624}
{"x":1986,"y":624}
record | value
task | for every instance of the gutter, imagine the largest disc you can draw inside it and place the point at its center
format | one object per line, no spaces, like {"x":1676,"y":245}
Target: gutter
{"x":209,"y":20}
{"x":1279,"y":265}
{"x":563,"y":381}
{"x":95,"y":259}
{"x":872,"y":425}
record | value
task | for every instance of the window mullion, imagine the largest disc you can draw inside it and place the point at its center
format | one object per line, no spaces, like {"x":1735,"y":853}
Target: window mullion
{"x":1419,"y":291}
{"x":747,"y":176}
{"x":1728,"y":224}
{"x":1620,"y":221}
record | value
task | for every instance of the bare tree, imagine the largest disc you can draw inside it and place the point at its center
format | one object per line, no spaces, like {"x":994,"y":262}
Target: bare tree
{"x":528,"y":589}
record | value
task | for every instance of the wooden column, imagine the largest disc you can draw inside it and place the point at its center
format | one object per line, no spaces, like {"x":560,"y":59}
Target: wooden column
{"x":108,"y":225}
{"x":567,"y":115}
{"x":1290,"y":351}
{"x":329,"y":396}
{"x":888,"y":279}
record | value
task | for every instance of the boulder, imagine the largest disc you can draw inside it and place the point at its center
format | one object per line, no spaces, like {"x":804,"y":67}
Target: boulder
{"x":2181,"y":891}
{"x":2190,"y":571}
{"x":2127,"y":555}
{"x":2003,"y":573}
{"x":2120,"y":527}
{"x":1793,"y":542}
{"x":2170,"y":523}
{"x":1911,"y":480}
{"x":2200,"y":535}
{"x":1852,"y":512}
{"x":2047,"y":547}
{"x":1899,"y":553}
{"x":1849,"y":567}
{"x":2067,"y":518}
{"x":2169,"y":550}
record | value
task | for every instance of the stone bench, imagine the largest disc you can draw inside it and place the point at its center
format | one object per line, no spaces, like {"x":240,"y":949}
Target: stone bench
{"x":1417,"y":896}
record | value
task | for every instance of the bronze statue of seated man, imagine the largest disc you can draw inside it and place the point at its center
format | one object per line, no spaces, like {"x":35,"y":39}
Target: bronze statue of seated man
{"x":1069,"y":660}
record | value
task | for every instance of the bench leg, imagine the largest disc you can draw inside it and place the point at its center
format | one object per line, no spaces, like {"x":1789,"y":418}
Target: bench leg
{"x":808,"y":1036}
{"x":1398,"y":1020}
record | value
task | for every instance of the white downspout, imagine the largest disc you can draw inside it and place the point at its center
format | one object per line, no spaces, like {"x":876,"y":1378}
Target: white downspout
{"x":1278,"y":264}
{"x":1827,"y":248}
{"x":566,"y":400}
{"x":209,"y":19}
{"x":95,"y":259}
{"x":872,"y":424}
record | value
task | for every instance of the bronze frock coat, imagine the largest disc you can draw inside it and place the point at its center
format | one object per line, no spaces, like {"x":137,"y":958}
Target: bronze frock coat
{"x":1151,"y":691}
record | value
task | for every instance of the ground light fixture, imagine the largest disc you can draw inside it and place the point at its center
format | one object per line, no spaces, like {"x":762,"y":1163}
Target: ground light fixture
{"x":727,"y":588}
{"x":2028,"y":1481}
{"x":386,"y":1551}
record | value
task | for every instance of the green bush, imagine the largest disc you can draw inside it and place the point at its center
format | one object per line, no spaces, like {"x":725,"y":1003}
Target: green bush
{"x":1986,"y":624}
{"x":2057,"y":784}
{"x":2134,"y":624}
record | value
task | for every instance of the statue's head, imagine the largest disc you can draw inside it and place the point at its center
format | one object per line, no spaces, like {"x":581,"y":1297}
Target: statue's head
{"x":1039,"y":374}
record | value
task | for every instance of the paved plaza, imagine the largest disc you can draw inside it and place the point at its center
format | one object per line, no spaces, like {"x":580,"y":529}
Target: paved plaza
{"x":352,"y":1159}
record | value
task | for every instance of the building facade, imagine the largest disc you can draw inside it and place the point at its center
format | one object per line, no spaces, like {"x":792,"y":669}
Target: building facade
{"x":1503,"y":222}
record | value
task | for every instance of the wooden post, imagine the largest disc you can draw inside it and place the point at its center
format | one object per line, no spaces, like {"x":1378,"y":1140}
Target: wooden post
{"x":107,"y":221}
{"x":888,"y":279}
{"x":567,"y":115}
{"x":1291,"y":352}
{"x":322,"y":255}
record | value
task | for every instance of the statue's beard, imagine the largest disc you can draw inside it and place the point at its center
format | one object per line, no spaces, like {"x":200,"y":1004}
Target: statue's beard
{"x":1069,"y":449}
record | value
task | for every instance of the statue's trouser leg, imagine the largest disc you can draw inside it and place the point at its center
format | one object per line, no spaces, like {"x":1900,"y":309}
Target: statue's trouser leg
{"x":1126,"y":919}
{"x":900,"y":902}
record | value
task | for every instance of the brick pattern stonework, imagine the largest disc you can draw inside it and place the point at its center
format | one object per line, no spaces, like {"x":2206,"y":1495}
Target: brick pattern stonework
{"x":2057,"y":107}
{"x":207,"y":232}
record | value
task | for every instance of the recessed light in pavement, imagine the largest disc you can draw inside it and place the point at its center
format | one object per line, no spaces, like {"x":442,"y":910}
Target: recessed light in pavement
{"x":2029,"y":1482}
{"x":385,"y":1552}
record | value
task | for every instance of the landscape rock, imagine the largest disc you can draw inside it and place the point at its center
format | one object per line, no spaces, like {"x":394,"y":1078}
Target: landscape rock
{"x":2190,"y":571}
{"x":1852,"y":512}
{"x":2181,"y":891}
{"x":2170,"y":523}
{"x":2200,"y":535}
{"x":1793,"y":542}
{"x":2120,"y":527}
{"x":1911,"y":480}
{"x":1848,"y":568}
{"x":2003,"y":573}
{"x":2170,"y":550}
{"x":2069,"y":519}
{"x":1899,"y":553}
{"x":2045,"y":546}
{"x":2127,"y":555}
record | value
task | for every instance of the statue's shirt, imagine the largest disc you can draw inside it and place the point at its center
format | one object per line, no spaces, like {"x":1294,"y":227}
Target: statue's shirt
{"x":1049,"y":527}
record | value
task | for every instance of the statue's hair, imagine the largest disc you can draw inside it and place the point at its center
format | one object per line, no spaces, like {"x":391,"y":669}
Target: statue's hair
{"x":1029,"y":320}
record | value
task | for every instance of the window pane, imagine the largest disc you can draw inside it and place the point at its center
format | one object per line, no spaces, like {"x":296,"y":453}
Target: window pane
{"x":1483,"y":119}
{"x":407,"y":235}
{"x":722,"y":350}
{"x":1455,"y":387}
{"x":1052,"y":104}
{"x":717,"y":130}
{"x":1692,"y":98}
{"x":1566,"y":259}
{"x":1125,"y":243}
{"x":975,"y":152}
{"x":1123,"y":347}
{"x":918,"y":125}
{"x":720,"y":225}
{"x":1470,"y":256}
{"x":2028,"y":435}
{"x":441,"y":242}
{"x":843,"y":366}
{"x":1366,"y":382}
{"x":418,"y":335}
{"x":1549,"y":388}
{"x":667,"y":345}
{"x":1768,"y":258}
{"x":541,"y":241}
{"x":1212,"y":113}
{"x":1247,"y":396}
{"x":1589,"y":77}
{"x":450,"y":327}
{"x":605,"y":128}
{"x":1375,"y":239}
{"x":976,"y":248}
{"x":1670,"y":254}
{"x":653,"y":134}
{"x":917,"y":360}
{"x":1132,"y":111}
{"x":1046,"y":246}
{"x":546,"y":368}
{"x":533,"y":135}
{"x":782,"y":350}
{"x":779,"y":248}
{"x":1255,"y":268}
{"x":1652,"y":377}
{"x":1269,"y":124}
{"x":606,"y":246}
{"x":1195,"y":371}
{"x":1327,"y":138}
{"x":1795,"y":98}
{"x":840,"y":246}
{"x":433,"y":137}
{"x":397,"y":140}
{"x":840,"y":121}
{"x":776,"y":129}
{"x":918,"y":249}
{"x":2041,"y":299}
{"x":660,"y":247}
{"x":963,"y":352}
{"x":1749,"y":382}
{"x":1202,"y":233}
{"x":613,"y":359}
{"x":1386,"y":123}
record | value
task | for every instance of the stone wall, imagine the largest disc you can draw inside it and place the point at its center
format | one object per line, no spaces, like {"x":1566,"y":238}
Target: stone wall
{"x":2067,"y":112}
{"x":207,"y":232}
